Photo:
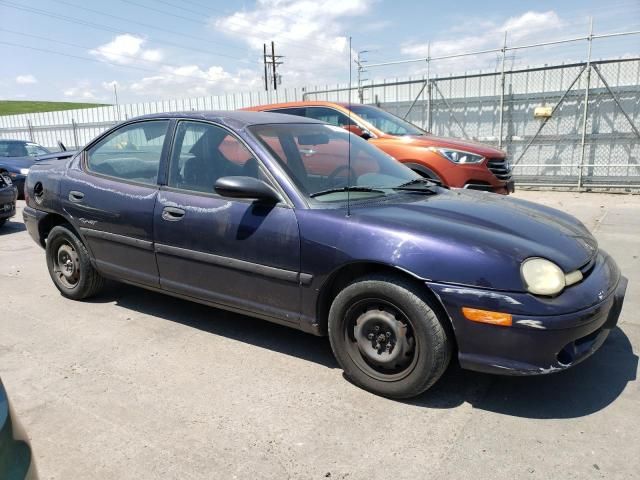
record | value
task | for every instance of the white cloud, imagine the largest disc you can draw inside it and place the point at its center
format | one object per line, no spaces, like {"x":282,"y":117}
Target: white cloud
{"x":530,"y":26}
{"x":308,"y":33}
{"x":26,"y":79}
{"x":192,"y":80}
{"x":126,"y":49}
{"x":81,"y":91}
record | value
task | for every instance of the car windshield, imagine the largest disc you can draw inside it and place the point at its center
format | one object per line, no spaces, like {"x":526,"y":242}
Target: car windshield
{"x":21,"y":149}
{"x":386,"y":122}
{"x":316,"y":157}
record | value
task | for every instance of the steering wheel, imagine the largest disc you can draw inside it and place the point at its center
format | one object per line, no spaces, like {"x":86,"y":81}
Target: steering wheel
{"x":332,"y":176}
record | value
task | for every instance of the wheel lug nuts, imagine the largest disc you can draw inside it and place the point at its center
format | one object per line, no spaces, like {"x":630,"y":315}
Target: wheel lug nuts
{"x":370,"y":336}
{"x":388,"y":334}
{"x":376,"y":329}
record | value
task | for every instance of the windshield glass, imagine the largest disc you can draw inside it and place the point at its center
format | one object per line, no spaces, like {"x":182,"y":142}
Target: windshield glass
{"x":316,"y":157}
{"x":386,"y":122}
{"x":21,"y":149}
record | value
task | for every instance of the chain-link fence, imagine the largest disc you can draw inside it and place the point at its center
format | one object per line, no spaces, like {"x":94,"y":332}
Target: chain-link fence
{"x":538,"y":117}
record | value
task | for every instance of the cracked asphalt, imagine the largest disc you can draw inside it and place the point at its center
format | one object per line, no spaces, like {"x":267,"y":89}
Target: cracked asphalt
{"x":135,"y":385}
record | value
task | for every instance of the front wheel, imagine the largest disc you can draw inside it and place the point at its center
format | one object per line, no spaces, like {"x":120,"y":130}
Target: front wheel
{"x":70,"y":266}
{"x":387,"y":337}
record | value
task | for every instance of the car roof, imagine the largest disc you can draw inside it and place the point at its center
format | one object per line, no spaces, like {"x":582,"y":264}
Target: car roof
{"x":304,"y":103}
{"x":237,"y":119}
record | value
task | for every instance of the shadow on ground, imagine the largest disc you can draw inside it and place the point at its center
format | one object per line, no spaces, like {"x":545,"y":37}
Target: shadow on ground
{"x":582,"y":390}
{"x":12,"y":226}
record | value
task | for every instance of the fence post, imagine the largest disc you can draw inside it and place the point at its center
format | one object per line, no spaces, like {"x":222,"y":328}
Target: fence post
{"x":30,"y":130}
{"x":502,"y":82}
{"x":74,"y":125}
{"x":586,"y":105}
{"x":428,"y":87}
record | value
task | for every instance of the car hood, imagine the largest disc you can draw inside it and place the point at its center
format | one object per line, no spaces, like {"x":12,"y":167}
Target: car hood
{"x":492,"y":225}
{"x":17,"y":162}
{"x":457,"y":143}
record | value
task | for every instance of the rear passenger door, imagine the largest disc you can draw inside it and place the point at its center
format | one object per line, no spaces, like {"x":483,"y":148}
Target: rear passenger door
{"x":110,"y":192}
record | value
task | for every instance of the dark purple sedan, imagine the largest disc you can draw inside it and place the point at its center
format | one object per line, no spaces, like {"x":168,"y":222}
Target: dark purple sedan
{"x":301,"y":223}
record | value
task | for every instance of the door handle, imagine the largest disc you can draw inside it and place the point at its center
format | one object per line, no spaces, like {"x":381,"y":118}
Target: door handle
{"x":172,"y":214}
{"x":75,"y":196}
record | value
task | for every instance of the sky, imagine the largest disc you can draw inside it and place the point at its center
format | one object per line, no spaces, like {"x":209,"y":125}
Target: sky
{"x":76,"y":50}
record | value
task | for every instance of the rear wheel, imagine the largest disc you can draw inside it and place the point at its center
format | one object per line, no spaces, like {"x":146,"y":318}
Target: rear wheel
{"x":387,"y":337}
{"x":69,"y":265}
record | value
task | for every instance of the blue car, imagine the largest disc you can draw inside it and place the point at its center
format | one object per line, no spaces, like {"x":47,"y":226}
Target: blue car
{"x":16,"y":456}
{"x":304,"y":224}
{"x":18,"y":156}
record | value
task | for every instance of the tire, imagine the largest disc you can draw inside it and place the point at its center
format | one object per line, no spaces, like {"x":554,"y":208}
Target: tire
{"x":387,"y":337}
{"x":65,"y":251}
{"x":2,"y":222}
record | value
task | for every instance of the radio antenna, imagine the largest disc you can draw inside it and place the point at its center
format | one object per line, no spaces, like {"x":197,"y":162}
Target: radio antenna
{"x":349,"y":139}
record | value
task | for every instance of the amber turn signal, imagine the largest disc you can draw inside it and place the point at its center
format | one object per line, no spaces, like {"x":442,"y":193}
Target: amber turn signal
{"x":487,"y":316}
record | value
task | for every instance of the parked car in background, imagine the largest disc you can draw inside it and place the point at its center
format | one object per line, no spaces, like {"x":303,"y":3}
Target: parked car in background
{"x":17,"y":157}
{"x":454,"y":162}
{"x":8,"y":195}
{"x":239,"y":210}
{"x":16,"y":457}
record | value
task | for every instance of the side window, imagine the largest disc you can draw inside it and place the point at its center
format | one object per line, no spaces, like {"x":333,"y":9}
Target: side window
{"x":328,"y":115}
{"x":203,"y":153}
{"x":130,"y":153}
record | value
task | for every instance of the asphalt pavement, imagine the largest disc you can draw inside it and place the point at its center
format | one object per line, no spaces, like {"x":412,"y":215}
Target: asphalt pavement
{"x":136,"y":385}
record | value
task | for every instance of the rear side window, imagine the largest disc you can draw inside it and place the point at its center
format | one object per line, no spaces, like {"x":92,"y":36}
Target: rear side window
{"x":130,"y":153}
{"x":328,"y":115}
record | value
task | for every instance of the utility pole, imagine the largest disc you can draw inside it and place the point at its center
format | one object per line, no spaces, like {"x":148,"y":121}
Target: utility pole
{"x":359,"y":61}
{"x":115,"y":94}
{"x":271,"y":62}
{"x":266,"y":78}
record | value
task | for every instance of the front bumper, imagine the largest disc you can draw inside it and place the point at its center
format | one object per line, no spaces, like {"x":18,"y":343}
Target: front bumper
{"x":18,"y":181}
{"x":536,"y":344}
{"x":8,"y":197}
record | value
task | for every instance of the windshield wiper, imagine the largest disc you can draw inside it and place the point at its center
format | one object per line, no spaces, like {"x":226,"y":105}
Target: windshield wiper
{"x":352,"y":188}
{"x":418,"y":181}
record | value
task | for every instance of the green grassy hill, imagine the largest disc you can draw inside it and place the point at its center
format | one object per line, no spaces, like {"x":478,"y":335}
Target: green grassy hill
{"x":13,"y":107}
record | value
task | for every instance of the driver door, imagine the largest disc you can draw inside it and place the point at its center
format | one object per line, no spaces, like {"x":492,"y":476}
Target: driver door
{"x":236,"y":253}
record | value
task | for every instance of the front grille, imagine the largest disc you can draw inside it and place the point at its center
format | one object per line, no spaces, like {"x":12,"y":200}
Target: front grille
{"x":500,"y":168}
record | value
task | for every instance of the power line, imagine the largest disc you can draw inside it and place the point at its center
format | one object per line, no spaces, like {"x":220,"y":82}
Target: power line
{"x":147,"y":25}
{"x":254,"y":26}
{"x":84,"y":47}
{"x":98,"y":26}
{"x":89,"y":59}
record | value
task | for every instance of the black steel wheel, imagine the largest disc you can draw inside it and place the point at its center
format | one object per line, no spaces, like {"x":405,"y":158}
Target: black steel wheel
{"x":70,"y":266}
{"x":387,"y":337}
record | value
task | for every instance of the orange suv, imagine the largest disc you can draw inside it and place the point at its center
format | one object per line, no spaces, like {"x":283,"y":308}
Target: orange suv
{"x":454,"y":162}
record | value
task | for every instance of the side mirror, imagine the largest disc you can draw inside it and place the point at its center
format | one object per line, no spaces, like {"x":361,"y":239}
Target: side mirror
{"x":356,"y":130}
{"x":246,"y":187}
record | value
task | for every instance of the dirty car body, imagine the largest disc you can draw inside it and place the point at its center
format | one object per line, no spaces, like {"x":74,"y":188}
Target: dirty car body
{"x":167,"y":228}
{"x":8,"y":195}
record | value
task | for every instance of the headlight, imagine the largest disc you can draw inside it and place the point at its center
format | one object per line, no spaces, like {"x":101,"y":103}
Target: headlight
{"x":457,"y":156}
{"x":542,"y":277}
{"x":24,"y":171}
